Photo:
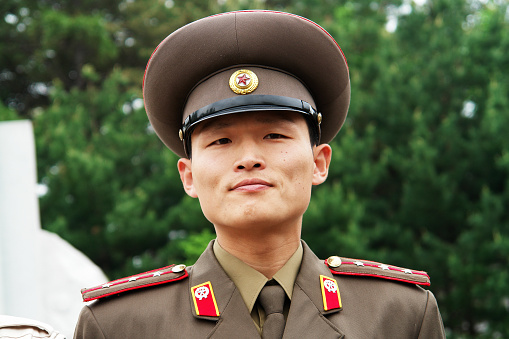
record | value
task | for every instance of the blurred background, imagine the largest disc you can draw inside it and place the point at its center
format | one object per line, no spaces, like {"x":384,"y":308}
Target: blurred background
{"x":420,"y":171}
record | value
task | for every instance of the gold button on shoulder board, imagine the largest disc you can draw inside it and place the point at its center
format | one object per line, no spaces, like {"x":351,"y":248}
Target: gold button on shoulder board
{"x":334,"y":261}
{"x":243,"y":81}
{"x":178,"y":268}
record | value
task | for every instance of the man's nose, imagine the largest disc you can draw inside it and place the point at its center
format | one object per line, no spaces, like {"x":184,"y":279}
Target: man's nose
{"x":250,"y":157}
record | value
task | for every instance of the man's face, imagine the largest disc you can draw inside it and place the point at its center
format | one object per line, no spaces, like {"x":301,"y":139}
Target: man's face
{"x":254,"y":169}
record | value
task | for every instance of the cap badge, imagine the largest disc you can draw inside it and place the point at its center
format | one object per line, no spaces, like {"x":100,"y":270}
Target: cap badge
{"x":243,"y":81}
{"x":204,"y":300}
{"x":330,"y":293}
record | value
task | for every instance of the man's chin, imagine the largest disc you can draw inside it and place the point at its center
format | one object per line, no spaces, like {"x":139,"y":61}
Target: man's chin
{"x":254,"y":223}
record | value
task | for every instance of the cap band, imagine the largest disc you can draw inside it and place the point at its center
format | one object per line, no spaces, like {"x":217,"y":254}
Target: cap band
{"x":251,"y":103}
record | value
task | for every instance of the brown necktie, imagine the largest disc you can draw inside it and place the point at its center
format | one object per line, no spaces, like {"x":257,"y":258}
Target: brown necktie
{"x":272,"y":299}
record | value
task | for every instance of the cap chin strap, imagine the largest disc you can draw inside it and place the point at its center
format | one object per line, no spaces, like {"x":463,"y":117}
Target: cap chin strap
{"x":251,"y":103}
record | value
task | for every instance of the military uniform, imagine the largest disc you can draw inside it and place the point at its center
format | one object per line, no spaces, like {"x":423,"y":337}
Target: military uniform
{"x":256,"y":61}
{"x":377,"y":301}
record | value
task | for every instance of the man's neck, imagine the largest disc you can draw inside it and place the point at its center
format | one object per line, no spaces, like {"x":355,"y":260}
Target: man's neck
{"x":266,"y":253}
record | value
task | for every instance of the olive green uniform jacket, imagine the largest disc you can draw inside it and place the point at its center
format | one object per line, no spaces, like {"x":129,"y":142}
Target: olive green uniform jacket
{"x":371,"y":308}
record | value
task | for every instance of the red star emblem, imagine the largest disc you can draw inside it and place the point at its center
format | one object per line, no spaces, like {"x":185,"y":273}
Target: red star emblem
{"x":243,"y":79}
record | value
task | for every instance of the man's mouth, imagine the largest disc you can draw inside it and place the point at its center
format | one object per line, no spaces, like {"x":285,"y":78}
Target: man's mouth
{"x":251,"y":185}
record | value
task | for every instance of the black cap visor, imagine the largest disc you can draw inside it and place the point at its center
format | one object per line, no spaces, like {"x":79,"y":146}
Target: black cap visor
{"x":250,"y":103}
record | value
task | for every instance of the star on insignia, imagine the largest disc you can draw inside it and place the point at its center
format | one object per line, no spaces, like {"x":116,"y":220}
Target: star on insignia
{"x":243,"y":79}
{"x":384,"y":267}
{"x":359,"y":263}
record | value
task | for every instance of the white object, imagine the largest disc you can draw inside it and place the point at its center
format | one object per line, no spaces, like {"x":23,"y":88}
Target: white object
{"x":40,"y":274}
{"x":15,"y":327}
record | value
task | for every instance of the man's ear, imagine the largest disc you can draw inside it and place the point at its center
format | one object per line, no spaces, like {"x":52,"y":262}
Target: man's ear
{"x":322,"y":156}
{"x":186,"y":176}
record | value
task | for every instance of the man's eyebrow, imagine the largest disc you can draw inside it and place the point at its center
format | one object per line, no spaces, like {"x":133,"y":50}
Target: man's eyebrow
{"x":213,"y":125}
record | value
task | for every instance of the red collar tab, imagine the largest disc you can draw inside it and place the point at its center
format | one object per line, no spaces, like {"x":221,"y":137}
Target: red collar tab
{"x":204,"y":300}
{"x":330,"y":293}
{"x":151,"y":278}
{"x":347,"y":266}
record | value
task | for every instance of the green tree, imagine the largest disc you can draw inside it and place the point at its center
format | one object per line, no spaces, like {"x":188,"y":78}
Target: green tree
{"x":422,"y":155}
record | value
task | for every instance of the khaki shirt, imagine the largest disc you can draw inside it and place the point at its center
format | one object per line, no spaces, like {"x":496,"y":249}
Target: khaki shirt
{"x":371,"y":308}
{"x":250,"y":282}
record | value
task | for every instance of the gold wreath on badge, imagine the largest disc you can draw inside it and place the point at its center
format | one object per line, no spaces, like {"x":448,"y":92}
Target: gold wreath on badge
{"x":243,"y":81}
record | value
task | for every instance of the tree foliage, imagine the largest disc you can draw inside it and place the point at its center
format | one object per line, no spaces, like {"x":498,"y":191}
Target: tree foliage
{"x":420,"y":171}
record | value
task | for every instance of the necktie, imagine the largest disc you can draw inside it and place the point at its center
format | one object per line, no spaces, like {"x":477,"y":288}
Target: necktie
{"x":272,"y":299}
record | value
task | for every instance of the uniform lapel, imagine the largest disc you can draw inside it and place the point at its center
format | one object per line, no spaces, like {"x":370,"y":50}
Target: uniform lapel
{"x":234,"y":320}
{"x":307,"y":318}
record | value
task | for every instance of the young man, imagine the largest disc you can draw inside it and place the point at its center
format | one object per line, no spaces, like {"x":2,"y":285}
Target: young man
{"x":249,"y":101}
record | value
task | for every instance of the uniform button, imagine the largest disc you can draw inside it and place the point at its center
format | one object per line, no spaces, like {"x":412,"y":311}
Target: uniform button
{"x":178,"y":268}
{"x":334,"y":261}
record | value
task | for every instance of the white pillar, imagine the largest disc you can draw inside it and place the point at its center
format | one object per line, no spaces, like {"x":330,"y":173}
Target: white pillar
{"x":19,"y":222}
{"x":40,"y":274}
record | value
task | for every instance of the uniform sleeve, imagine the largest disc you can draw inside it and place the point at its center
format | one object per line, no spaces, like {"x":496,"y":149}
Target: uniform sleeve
{"x":432,"y":326}
{"x":87,"y":326}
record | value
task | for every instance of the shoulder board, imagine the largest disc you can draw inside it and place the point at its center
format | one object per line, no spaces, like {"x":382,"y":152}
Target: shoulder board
{"x":348,"y":266}
{"x":155,"y":277}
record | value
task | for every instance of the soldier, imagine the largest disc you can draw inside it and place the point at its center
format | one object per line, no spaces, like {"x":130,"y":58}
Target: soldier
{"x":249,"y":100}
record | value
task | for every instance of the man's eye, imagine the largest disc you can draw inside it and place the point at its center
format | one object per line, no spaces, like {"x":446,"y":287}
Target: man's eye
{"x":221,"y":141}
{"x":274,"y":136}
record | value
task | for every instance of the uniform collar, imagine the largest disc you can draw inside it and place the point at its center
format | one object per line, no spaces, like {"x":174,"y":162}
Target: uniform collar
{"x":250,"y":282}
{"x":234,"y":316}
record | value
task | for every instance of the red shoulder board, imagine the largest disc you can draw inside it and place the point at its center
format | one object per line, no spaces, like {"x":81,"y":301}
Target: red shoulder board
{"x":347,"y":266}
{"x":155,"y":277}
